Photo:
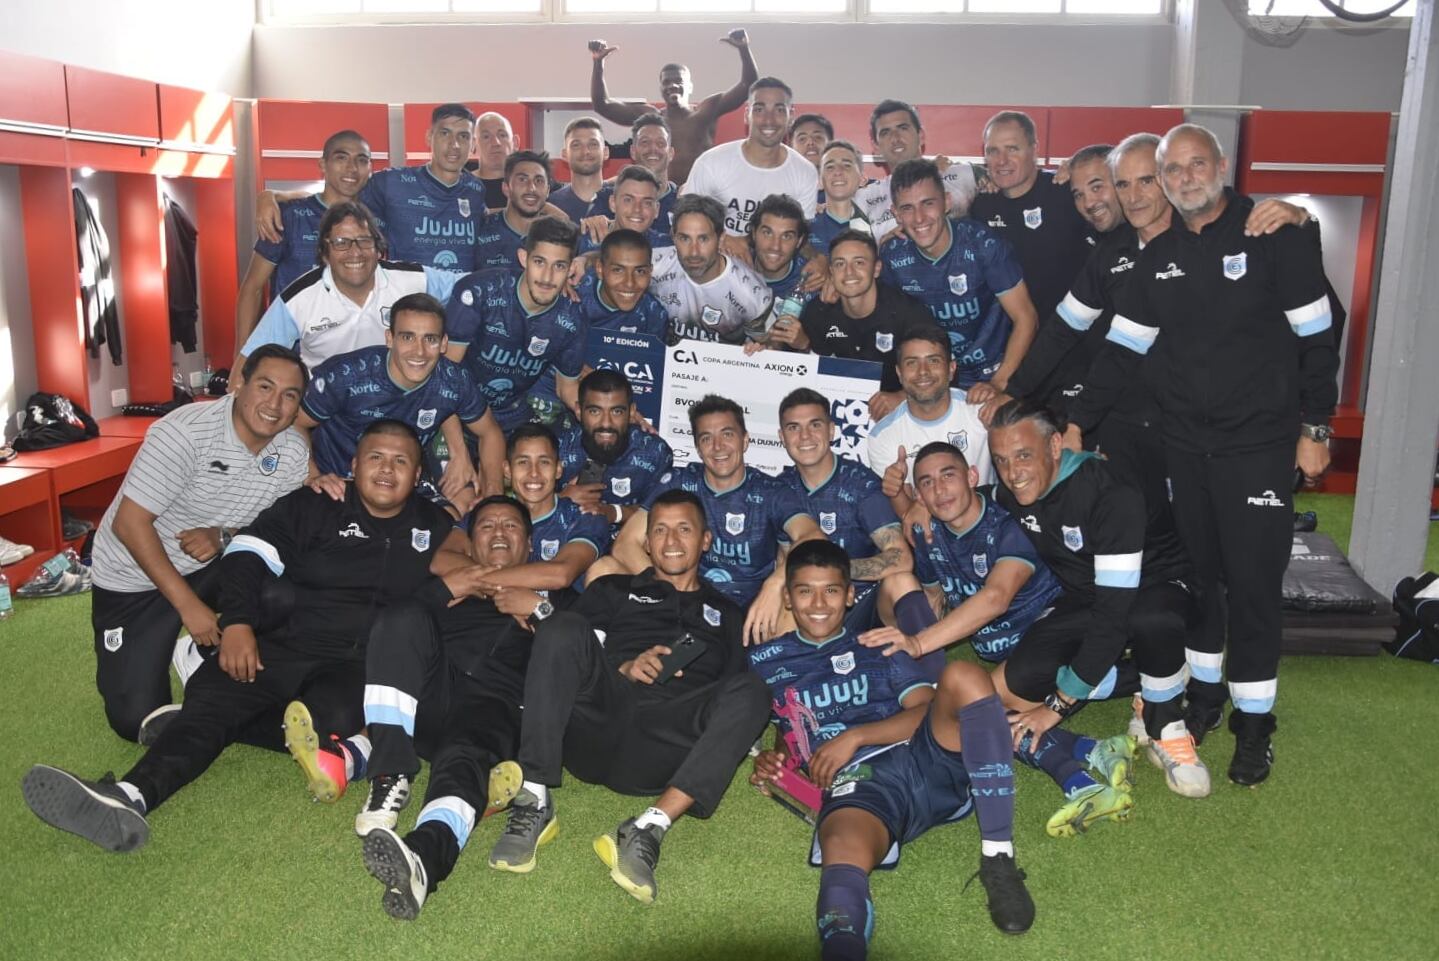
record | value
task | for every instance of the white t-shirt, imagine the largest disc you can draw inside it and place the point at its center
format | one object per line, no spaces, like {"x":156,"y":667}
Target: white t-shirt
{"x":961,"y":426}
{"x":723,"y":173}
{"x":724,"y":309}
{"x":877,"y":205}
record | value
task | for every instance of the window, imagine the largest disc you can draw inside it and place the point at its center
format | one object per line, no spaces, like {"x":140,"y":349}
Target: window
{"x":382,"y":11}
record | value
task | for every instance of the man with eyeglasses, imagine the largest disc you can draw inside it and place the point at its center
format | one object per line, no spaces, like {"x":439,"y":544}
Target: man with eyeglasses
{"x":410,"y":380}
{"x":429,"y":212}
{"x":345,"y":302}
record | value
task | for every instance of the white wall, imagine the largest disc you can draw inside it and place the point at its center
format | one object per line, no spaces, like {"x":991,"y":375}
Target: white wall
{"x":192,"y":43}
{"x":17,"y":339}
{"x":1327,"y":68}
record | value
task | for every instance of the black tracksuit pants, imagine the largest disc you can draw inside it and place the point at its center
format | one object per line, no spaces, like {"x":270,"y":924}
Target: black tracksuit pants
{"x":1235,"y":515}
{"x":632,"y":738}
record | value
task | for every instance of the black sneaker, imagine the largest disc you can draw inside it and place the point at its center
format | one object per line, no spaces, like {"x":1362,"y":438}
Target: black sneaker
{"x":97,"y":811}
{"x":1010,"y":906}
{"x":1253,"y":754}
{"x":527,"y":827}
{"x":632,"y":853}
{"x":155,"y":722}
{"x":389,"y":794}
{"x":400,"y":870}
{"x":1200,"y":719}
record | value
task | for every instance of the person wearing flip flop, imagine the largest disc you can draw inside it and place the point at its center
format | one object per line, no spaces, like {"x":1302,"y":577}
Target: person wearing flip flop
{"x":357,"y":569}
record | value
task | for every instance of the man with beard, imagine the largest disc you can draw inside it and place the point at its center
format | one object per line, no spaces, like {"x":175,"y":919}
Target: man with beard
{"x":710,"y":295}
{"x":457,"y":688}
{"x":692,"y":127}
{"x":520,"y":325}
{"x":608,"y":465}
{"x":897,"y":135}
{"x":741,"y":173}
{"x":355,"y":567}
{"x":965,"y":274}
{"x":585,"y":152}
{"x":1246,"y":383}
{"x":501,"y":233}
{"x":429,"y":212}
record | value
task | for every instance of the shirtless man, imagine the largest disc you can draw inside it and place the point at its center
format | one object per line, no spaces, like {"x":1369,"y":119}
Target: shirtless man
{"x":692,"y":127}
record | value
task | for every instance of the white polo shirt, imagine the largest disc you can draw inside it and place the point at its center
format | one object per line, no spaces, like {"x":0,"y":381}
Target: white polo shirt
{"x":193,"y":471}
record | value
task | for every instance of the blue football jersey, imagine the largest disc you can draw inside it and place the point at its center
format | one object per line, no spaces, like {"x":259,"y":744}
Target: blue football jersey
{"x":425,"y":221}
{"x":821,"y":690}
{"x":633,"y":475}
{"x":294,"y":255}
{"x":849,"y":505}
{"x":746,"y":525}
{"x":566,"y":523}
{"x":960,"y":289}
{"x":648,"y":317}
{"x":825,"y":227}
{"x":663,"y":220}
{"x":574,"y":208}
{"x":959,"y":561}
{"x":508,"y":348}
{"x":497,"y":244}
{"x":788,"y":285}
{"x":349,"y":391}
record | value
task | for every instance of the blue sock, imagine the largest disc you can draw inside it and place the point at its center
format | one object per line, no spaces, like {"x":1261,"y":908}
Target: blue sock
{"x":1082,"y":746}
{"x":1055,"y":757}
{"x":913,"y":614}
{"x":988,"y":748}
{"x":844,"y":913}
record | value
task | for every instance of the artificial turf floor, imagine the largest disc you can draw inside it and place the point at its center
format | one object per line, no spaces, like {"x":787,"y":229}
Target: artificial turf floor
{"x":1331,"y":858}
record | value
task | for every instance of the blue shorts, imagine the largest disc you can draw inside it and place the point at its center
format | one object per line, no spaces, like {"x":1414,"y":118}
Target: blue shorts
{"x":910,"y":787}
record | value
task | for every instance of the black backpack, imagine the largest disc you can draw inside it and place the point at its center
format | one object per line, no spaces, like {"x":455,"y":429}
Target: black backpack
{"x":1417,"y":634}
{"x":53,"y":420}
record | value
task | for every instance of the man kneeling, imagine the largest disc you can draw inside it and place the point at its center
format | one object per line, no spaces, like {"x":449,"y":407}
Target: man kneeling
{"x":640,"y":687}
{"x":897,"y":756}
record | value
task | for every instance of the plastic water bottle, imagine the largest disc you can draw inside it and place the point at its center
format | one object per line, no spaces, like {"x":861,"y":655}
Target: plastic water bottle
{"x":209,"y":369}
{"x":7,"y":608}
{"x":177,"y":378}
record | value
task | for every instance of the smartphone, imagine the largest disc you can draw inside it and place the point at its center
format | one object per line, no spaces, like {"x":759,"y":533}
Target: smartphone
{"x":683,"y":653}
{"x":592,"y":473}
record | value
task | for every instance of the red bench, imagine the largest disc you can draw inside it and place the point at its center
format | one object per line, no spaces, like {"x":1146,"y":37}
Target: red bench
{"x":83,"y":479}
{"x":30,"y":515}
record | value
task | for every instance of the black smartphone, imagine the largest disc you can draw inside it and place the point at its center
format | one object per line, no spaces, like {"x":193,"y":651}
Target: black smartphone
{"x":683,"y":653}
{"x":592,"y":473}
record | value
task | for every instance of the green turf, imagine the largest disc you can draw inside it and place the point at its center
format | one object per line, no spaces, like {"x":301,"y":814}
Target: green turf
{"x":1333,"y":858}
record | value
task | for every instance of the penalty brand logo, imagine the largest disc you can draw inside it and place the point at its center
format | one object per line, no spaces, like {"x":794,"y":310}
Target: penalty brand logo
{"x":354,"y":531}
{"x":1266,"y":499}
{"x":1170,"y":272}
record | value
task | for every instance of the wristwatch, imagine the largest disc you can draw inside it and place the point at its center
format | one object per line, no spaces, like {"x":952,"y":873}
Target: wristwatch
{"x":1319,"y":433}
{"x":542,"y":610}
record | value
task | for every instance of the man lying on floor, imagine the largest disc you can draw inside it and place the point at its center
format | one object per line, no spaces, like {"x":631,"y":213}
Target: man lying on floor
{"x":896,"y":755}
{"x":349,"y":563}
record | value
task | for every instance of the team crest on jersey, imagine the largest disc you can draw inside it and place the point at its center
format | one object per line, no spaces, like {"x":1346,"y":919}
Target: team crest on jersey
{"x":114,"y":637}
{"x":464,"y":204}
{"x":843,"y":663}
{"x":959,"y":285}
{"x":710,"y":316}
{"x":734,"y":523}
{"x":1236,"y":266}
{"x":712,"y":616}
{"x":548,"y":550}
{"x":384,"y":316}
{"x":621,"y":486}
{"x":419,"y":539}
{"x":320,"y":384}
{"x":269,"y":464}
{"x":1073,"y":537}
{"x":884,"y":342}
{"x":827,"y":522}
{"x":467,"y":297}
{"x":538,"y":346}
{"x":960,"y":439}
{"x":426,"y":419}
{"x":981,"y":564}
{"x":1034,"y":217}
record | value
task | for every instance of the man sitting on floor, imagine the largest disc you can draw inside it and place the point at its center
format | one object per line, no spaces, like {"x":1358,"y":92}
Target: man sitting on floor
{"x":348,"y":562}
{"x":896,"y":756}
{"x":607,"y":698}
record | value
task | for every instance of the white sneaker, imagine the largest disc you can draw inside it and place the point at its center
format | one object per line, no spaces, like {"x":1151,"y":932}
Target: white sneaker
{"x":1136,"y":723}
{"x":10,"y":552}
{"x":389,"y":795}
{"x":185,"y":659}
{"x":1185,"y":774}
{"x":400,"y":870}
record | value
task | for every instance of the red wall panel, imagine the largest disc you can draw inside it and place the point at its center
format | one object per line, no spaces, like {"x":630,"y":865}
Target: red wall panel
{"x":216,"y":260}
{"x":54,"y":278}
{"x":196,"y":117}
{"x":32,"y":90}
{"x":110,"y":103}
{"x":142,"y":286}
{"x":417,"y":124}
{"x":301,"y":126}
{"x":1071,"y":128}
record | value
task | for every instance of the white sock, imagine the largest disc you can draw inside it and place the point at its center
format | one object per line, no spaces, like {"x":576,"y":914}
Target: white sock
{"x":541,"y":793}
{"x":133,"y":793}
{"x":361,"y":746}
{"x":990,"y":848}
{"x":651,"y":817}
{"x":186,"y":658}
